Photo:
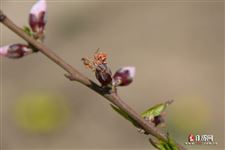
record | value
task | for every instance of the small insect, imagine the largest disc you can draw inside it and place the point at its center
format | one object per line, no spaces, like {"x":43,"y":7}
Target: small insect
{"x":100,"y":57}
{"x":98,"y":65}
{"x":98,"y":60}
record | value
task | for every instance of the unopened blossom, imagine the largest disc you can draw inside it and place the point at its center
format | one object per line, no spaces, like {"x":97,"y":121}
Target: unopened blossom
{"x":15,"y":50}
{"x":37,"y":16}
{"x":124,"y":76}
{"x":103,"y":74}
{"x":157,"y":120}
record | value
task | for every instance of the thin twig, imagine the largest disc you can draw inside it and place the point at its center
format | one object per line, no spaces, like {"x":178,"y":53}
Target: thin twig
{"x":75,"y":75}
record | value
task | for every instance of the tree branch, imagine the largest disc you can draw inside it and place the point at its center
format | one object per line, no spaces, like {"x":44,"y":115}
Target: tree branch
{"x":74,"y":74}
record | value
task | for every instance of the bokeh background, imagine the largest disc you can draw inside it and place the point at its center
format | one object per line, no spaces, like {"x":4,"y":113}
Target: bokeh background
{"x":177,"y":48}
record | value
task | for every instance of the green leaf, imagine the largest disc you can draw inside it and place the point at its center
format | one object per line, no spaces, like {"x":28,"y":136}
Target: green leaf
{"x":171,"y":143}
{"x":125,"y":115}
{"x":158,"y":144}
{"x":162,"y":145}
{"x":28,"y":31}
{"x":155,"y":110}
{"x":166,"y":146}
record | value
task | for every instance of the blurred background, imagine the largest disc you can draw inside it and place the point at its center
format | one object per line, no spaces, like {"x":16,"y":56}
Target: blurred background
{"x":177,"y":48}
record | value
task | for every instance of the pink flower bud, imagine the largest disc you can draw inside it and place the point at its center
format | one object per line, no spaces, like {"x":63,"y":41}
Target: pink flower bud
{"x":124,"y":76}
{"x":4,"y":50}
{"x":103,"y":74}
{"x":15,"y":51}
{"x":37,"y":17}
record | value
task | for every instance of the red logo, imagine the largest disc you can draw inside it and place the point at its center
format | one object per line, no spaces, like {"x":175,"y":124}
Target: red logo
{"x":191,"y":138}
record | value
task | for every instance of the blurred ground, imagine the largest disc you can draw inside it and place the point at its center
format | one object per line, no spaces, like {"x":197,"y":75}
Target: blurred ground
{"x":176,"y":46}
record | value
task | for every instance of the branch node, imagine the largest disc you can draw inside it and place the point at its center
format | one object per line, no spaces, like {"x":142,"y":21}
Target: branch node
{"x":70,"y":77}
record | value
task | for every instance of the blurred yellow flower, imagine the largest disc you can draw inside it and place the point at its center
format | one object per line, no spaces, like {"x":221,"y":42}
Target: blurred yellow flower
{"x":191,"y":113}
{"x":41,"y":112}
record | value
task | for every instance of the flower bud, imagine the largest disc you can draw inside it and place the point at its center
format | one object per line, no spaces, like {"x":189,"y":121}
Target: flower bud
{"x":103,"y":74}
{"x":37,"y":16}
{"x":124,"y":76}
{"x":157,"y":120}
{"x":15,"y":51}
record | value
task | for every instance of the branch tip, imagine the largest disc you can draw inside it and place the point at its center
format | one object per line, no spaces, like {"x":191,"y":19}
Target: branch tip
{"x":70,"y":77}
{"x":2,"y":16}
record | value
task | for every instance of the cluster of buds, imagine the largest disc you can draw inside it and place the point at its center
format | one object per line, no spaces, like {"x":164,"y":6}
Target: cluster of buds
{"x":37,"y":23}
{"x":123,"y":76}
